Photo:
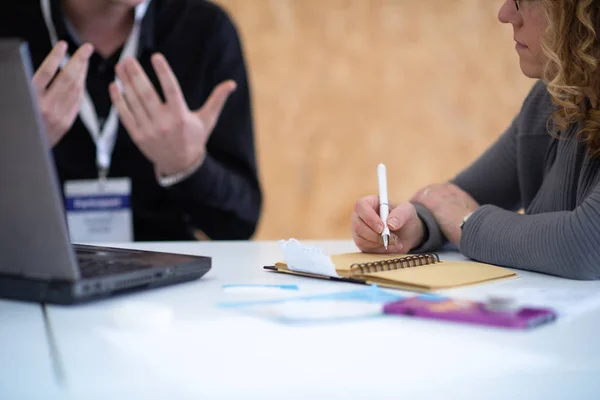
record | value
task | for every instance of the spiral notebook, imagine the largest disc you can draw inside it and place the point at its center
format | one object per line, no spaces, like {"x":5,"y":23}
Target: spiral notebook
{"x":420,"y":272}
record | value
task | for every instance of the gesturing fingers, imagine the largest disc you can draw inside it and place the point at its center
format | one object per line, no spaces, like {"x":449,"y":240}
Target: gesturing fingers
{"x":60,"y":103}
{"x":72,"y":76}
{"x":133,"y":101}
{"x":49,"y":67}
{"x":210,"y":111}
{"x":71,"y":102}
{"x":169,"y":84}
{"x":123,"y":111}
{"x":133,"y":76}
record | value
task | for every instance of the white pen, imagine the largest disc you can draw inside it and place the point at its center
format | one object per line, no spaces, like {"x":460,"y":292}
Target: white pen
{"x":383,"y":203}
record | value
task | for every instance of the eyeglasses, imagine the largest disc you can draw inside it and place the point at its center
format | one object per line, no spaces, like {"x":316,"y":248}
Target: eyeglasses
{"x":517,"y":4}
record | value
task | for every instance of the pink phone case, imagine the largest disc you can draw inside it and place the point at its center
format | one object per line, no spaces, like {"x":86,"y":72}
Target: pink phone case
{"x":470,"y":312}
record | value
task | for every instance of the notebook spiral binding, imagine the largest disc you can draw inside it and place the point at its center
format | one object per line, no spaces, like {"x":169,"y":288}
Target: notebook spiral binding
{"x":395,"y":263}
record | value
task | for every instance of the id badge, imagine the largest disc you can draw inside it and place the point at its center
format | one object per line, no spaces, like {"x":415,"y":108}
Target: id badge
{"x":99,"y":211}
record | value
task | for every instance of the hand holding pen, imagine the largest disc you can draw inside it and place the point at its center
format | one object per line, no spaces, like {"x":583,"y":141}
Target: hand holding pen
{"x":402,"y":227}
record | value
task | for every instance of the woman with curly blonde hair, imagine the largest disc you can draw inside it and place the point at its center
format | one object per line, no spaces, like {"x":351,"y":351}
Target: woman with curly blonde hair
{"x":547,"y":163}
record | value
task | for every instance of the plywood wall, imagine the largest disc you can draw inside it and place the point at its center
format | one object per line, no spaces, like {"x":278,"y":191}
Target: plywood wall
{"x":341,"y":85}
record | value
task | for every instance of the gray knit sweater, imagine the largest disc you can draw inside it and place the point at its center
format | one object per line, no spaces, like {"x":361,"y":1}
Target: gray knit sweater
{"x":553,"y":180}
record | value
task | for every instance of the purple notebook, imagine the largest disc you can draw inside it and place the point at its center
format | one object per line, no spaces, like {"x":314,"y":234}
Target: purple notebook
{"x":470,"y":312}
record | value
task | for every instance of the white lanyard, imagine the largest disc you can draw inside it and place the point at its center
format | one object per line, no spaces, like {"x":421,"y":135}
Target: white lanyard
{"x":105,"y":139}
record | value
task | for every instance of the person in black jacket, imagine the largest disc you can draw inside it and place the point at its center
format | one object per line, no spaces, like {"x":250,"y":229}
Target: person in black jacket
{"x":173,"y":76}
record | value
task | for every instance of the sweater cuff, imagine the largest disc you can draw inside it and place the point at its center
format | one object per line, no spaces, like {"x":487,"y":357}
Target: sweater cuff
{"x":202,"y":182}
{"x":433,"y":238}
{"x":470,"y":239}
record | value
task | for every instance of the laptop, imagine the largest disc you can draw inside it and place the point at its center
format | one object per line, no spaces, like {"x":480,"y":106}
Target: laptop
{"x":38,"y":262}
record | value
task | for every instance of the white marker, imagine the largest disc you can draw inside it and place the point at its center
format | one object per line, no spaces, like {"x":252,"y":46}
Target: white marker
{"x":383,"y":203}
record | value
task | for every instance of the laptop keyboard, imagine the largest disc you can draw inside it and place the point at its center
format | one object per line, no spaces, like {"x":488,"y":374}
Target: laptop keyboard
{"x":96,"y":262}
{"x":91,"y":268}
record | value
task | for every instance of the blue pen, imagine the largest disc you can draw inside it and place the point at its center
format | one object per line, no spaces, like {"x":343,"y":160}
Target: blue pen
{"x":258,"y":285}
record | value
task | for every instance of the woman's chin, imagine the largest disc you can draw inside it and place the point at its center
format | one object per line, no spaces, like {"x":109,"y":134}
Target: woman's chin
{"x":530,"y":69}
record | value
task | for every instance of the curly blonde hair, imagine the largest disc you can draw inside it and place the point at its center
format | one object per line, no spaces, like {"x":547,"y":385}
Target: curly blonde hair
{"x":572,"y":55}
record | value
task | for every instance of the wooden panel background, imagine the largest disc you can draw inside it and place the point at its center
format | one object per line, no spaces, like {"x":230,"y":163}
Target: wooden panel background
{"x":341,"y":85}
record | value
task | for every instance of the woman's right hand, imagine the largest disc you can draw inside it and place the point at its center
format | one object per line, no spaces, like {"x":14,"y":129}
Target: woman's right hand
{"x":406,"y":228}
{"x":60,"y":95}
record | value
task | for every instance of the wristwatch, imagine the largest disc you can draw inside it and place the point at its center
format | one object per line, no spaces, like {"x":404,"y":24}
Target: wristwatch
{"x":465,"y":220}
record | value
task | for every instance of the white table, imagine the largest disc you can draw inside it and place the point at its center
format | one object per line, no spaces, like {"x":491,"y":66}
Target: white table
{"x":26,"y":364}
{"x":208,"y":352}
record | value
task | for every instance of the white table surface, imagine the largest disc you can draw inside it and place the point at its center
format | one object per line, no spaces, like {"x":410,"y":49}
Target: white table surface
{"x":26,"y":366}
{"x":204,"y":351}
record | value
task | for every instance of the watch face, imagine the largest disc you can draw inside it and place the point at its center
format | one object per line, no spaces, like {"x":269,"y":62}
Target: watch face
{"x":465,"y":220}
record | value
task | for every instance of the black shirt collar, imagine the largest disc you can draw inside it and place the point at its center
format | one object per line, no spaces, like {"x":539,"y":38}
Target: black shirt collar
{"x":147,"y":39}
